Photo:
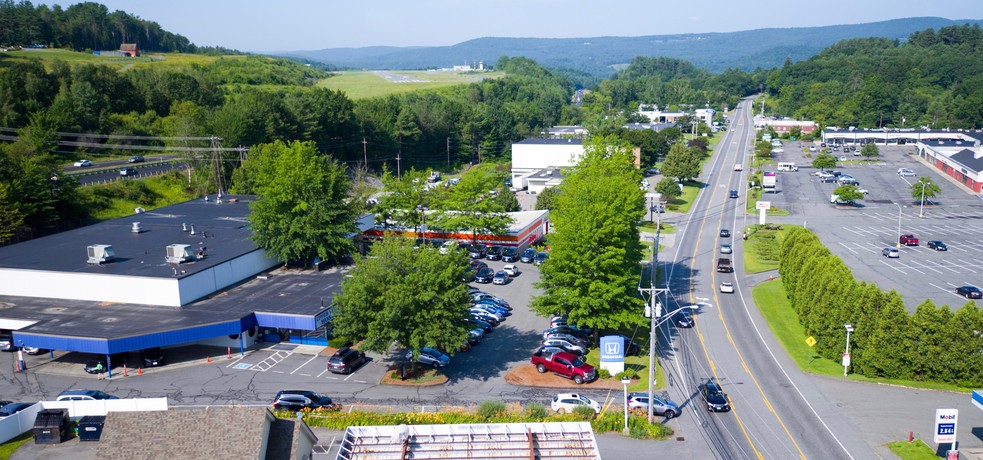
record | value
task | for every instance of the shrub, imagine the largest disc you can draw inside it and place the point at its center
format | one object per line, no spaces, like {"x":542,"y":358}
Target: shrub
{"x":491,"y":409}
{"x":536,"y":411}
{"x":629,"y":373}
{"x":603,"y":374}
{"x":584,"y":412}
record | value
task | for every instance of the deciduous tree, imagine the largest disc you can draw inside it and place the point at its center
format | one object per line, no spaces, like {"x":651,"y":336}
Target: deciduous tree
{"x":925,"y":188}
{"x":302,"y":212}
{"x":824,"y":161}
{"x":681,"y":162}
{"x":870,"y":151}
{"x":592,"y":272}
{"x":411,"y":297}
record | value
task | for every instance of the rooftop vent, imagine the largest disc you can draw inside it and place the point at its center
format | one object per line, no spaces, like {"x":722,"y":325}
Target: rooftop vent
{"x":178,"y":253}
{"x":136,"y":228}
{"x":100,"y":253}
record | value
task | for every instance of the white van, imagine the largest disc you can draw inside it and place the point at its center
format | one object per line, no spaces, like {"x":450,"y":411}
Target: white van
{"x":791,"y":167}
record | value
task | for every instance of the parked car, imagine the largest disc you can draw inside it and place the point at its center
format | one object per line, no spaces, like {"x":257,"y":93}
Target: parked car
{"x":541,"y":258}
{"x":969,"y":292}
{"x":83,"y":163}
{"x":485,"y":316}
{"x":578,"y":333}
{"x":484,"y":275}
{"x":570,"y":338}
{"x":448,"y":246}
{"x":477,"y":251}
{"x":12,"y":408}
{"x":727,"y":287}
{"x":91,"y":366}
{"x":528,"y":255}
{"x":510,"y":255}
{"x":494,"y":253}
{"x":908,"y":240}
{"x":937,"y":245}
{"x":890,"y":253}
{"x":511,"y":270}
{"x":714,"y":397}
{"x":568,"y":402}
{"x":661,"y":406}
{"x":565,"y":345}
{"x":500,"y":278}
{"x":35,"y":350}
{"x":491,"y":306}
{"x":479,"y":296}
{"x":7,"y":342}
{"x":135,"y":159}
{"x":724,"y":233}
{"x":83,"y":395}
{"x":152,"y":357}
{"x":905,"y":172}
{"x":431,"y":357}
{"x":345,"y":360}
{"x":296,"y":400}
{"x":125,"y":172}
{"x":631,"y":348}
{"x":484,"y":325}
{"x":726,"y":249}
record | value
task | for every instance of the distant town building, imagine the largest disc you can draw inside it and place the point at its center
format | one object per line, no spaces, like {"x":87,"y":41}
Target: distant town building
{"x":537,"y":163}
{"x":129,"y":49}
{"x":660,"y":117}
{"x":785,"y":125}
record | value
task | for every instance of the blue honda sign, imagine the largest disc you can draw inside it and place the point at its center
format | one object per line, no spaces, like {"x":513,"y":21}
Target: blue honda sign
{"x":612,"y":348}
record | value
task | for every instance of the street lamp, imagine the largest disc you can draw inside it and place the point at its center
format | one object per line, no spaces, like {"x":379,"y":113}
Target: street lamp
{"x":654,"y":312}
{"x":846,"y":355}
{"x":625,"y":382}
{"x":921,"y":209}
{"x":899,"y":225}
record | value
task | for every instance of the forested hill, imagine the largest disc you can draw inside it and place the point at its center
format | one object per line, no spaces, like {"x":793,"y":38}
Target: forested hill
{"x":602,"y":56}
{"x":82,"y":26}
{"x":933,"y":79}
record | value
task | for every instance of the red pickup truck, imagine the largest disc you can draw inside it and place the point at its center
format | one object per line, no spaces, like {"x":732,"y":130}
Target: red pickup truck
{"x":908,"y":240}
{"x":565,"y":364}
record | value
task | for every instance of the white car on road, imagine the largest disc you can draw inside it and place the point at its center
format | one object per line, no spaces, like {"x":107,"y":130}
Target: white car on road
{"x":905,"y":172}
{"x":727,"y":287}
{"x":83,"y":163}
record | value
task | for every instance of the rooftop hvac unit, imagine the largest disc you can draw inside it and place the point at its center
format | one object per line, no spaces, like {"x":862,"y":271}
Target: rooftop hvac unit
{"x":178,"y":253}
{"x":100,"y":253}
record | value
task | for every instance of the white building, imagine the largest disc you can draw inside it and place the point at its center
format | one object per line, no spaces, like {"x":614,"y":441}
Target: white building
{"x":533,"y":155}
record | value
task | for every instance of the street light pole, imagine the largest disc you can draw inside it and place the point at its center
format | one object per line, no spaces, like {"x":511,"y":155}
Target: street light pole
{"x":625,"y":382}
{"x":921,"y":209}
{"x":846,"y":355}
{"x":899,"y":225}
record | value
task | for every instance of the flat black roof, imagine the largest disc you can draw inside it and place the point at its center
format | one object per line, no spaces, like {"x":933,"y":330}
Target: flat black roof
{"x":220,"y":228}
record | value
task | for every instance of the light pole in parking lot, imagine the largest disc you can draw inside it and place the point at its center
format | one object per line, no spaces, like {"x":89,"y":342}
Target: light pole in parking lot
{"x":899,"y":226}
{"x":625,"y":382}
{"x":846,"y":354}
{"x":921,"y":208}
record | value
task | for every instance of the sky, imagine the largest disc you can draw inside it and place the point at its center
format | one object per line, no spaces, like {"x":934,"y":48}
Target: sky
{"x":291,"y":25}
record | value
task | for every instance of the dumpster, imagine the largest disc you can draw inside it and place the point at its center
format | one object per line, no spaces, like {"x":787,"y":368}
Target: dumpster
{"x":51,"y":426}
{"x":90,"y":427}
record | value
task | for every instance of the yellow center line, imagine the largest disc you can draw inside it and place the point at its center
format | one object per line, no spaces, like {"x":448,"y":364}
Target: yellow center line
{"x":740,"y":356}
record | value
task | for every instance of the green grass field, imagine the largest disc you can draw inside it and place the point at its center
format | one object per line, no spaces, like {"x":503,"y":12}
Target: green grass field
{"x":368,"y":84}
{"x":49,"y":55}
{"x":639,"y":363}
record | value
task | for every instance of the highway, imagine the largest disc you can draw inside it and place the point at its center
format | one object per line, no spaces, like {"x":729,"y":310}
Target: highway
{"x":777,"y":413}
{"x":109,"y":171}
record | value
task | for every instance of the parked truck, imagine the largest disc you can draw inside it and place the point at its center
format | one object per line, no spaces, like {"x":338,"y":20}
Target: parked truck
{"x":724,"y":265}
{"x":565,"y":364}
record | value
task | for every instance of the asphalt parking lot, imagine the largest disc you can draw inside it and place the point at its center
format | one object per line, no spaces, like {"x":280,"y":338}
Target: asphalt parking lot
{"x":858,"y":234}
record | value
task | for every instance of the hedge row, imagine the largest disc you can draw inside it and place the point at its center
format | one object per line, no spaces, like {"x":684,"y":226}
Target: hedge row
{"x":933,"y":344}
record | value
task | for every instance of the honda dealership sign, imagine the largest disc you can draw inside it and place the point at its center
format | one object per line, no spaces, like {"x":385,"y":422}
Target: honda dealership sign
{"x":613,"y":353}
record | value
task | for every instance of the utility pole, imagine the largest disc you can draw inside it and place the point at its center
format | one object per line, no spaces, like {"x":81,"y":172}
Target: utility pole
{"x":448,"y":153}
{"x":654,"y":311}
{"x":217,"y":163}
{"x":479,"y":153}
{"x":399,"y":163}
{"x":365,"y":153}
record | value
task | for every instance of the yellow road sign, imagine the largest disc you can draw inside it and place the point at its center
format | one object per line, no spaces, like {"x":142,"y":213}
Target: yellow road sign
{"x":811,"y":341}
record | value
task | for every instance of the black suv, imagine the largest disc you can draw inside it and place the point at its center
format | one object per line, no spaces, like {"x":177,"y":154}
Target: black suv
{"x":494,"y":253}
{"x":295,"y":400}
{"x":345,"y":360}
{"x":152,"y":357}
{"x":509,"y":255}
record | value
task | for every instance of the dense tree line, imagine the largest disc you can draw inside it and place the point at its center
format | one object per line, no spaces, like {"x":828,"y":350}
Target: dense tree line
{"x":933,"y":344}
{"x":933,"y":79}
{"x":82,"y":26}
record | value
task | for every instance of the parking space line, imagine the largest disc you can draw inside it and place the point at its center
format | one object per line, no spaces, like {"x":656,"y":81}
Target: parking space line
{"x":350,"y":376}
{"x":332,"y":378}
{"x":271,"y":361}
{"x":912,"y":267}
{"x":322,"y":373}
{"x":892,"y":266}
{"x":848,"y":248}
{"x":927,"y":268}
{"x":302,"y":365}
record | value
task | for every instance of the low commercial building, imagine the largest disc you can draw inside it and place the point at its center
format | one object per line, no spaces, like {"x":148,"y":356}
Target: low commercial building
{"x":527,"y":228}
{"x":785,"y":125}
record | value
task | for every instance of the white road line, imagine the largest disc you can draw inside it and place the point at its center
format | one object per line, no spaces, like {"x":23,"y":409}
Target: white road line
{"x":848,"y":248}
{"x":332,"y":378}
{"x":305,"y":375}
{"x":278,"y":372}
{"x":302,"y":365}
{"x":360,"y":381}
{"x":349,"y":376}
{"x":322,"y":373}
{"x":896,"y":268}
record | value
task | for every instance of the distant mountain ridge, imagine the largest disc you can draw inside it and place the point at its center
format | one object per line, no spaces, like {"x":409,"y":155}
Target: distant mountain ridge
{"x":715,"y":51}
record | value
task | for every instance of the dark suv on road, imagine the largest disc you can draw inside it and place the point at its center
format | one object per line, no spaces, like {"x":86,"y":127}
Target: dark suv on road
{"x":345,"y":360}
{"x":295,"y":400}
